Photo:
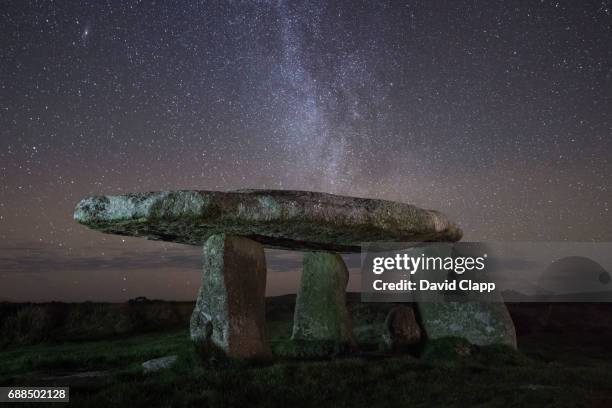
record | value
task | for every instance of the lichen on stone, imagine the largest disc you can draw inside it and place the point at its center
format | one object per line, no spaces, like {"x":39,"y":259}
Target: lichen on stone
{"x":278,"y":219}
{"x":320,"y":311}
{"x":479,"y":323}
{"x":229,"y":315}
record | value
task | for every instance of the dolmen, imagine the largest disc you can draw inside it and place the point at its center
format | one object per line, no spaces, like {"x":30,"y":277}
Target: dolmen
{"x":234,"y":228}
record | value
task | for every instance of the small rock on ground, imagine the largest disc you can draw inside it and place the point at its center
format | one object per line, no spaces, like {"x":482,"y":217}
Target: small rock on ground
{"x":158,"y":364}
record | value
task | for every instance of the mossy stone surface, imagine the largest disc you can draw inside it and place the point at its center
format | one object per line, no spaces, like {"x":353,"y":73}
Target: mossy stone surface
{"x":301,"y":220}
{"x":402,"y":330}
{"x":229,"y":315}
{"x":320,"y":311}
{"x":479,"y":323}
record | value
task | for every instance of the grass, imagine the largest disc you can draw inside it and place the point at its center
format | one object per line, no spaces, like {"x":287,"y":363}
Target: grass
{"x":549,"y":371}
{"x":93,"y":355}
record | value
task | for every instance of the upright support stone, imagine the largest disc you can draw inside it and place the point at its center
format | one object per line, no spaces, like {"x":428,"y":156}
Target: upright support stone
{"x":320,"y":309}
{"x":230,"y":310}
{"x":477,"y":321}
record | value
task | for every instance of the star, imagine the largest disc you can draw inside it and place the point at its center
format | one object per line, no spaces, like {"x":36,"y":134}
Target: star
{"x":499,"y":116}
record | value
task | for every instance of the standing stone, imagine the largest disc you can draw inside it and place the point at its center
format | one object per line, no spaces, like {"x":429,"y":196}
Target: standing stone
{"x":229,"y":315}
{"x":320,"y":309}
{"x":401,"y":329}
{"x":479,"y":323}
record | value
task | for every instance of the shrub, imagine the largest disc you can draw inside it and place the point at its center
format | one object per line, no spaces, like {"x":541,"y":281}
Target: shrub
{"x":30,"y":324}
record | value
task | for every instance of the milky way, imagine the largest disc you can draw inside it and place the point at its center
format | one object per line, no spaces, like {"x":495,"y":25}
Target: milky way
{"x":497,"y":113}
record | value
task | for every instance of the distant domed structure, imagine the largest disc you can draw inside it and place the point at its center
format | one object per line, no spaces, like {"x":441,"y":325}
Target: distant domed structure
{"x":575,"y":274}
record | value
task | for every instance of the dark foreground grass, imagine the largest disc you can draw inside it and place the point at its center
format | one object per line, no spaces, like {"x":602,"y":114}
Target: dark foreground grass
{"x":549,"y":371}
{"x":84,"y":356}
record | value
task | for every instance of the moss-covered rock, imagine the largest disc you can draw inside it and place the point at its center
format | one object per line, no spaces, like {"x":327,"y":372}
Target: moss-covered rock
{"x":300,"y":220}
{"x":402,"y":330}
{"x":320,"y":310}
{"x":229,"y":315}
{"x":479,"y":323}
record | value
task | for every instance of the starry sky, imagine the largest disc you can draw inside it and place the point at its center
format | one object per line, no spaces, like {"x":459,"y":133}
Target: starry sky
{"x":497,"y":113}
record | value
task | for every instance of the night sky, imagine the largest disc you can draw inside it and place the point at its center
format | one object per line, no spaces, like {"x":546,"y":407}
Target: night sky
{"x":498,"y":114}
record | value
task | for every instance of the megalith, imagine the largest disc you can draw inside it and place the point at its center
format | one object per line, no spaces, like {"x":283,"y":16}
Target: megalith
{"x":481,"y":320}
{"x":320,"y":309}
{"x":234,"y":226}
{"x":478,"y":322}
{"x":402,"y":330}
{"x":229,"y":315}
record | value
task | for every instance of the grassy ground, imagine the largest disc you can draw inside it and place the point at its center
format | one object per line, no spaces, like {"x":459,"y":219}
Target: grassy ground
{"x":55,"y":360}
{"x":549,"y":371}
